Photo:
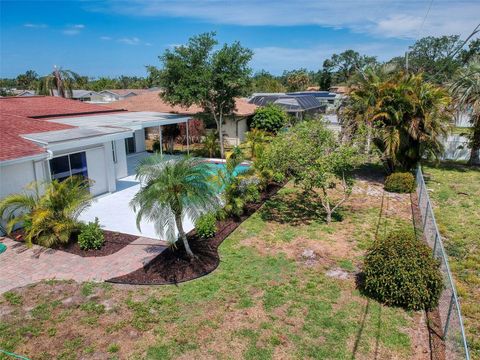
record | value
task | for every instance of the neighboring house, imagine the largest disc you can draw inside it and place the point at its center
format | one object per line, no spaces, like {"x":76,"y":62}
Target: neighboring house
{"x":234,"y":127}
{"x":120,"y":94}
{"x":297,"y":105}
{"x":45,"y":137}
{"x":84,"y":96}
{"x":23,"y":92}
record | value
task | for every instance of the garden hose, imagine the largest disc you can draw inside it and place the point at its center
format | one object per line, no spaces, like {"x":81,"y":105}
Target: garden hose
{"x":13,"y":355}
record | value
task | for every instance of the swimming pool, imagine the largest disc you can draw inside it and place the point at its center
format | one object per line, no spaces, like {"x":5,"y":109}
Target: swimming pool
{"x":221,"y":166}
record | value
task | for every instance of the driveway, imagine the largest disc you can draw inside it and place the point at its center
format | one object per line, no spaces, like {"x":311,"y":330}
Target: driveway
{"x":114,"y":212}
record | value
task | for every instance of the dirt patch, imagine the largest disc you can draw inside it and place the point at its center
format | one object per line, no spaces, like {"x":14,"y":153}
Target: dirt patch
{"x":114,"y":241}
{"x":173,"y":265}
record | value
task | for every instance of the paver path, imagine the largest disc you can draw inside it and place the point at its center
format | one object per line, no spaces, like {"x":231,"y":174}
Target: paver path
{"x":20,"y":266}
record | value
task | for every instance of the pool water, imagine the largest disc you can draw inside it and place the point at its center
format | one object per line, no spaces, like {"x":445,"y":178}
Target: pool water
{"x":2,"y":248}
{"x":221,"y":166}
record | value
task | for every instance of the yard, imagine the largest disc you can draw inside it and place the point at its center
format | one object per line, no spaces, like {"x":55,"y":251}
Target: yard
{"x":455,"y":190}
{"x":285,"y":288}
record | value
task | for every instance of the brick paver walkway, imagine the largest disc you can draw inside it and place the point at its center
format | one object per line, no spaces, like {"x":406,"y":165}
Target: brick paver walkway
{"x":20,"y":266}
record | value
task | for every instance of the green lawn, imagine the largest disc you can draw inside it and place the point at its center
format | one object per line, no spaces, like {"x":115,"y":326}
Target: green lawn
{"x":456,"y":195}
{"x":264,"y":301}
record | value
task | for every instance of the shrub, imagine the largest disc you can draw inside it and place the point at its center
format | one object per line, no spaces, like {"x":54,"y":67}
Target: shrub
{"x":270,"y":118}
{"x":91,"y":236}
{"x":400,"y":182}
{"x":401,"y":271}
{"x":206,"y":225}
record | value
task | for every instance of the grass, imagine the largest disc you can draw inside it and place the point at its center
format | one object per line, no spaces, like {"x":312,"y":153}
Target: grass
{"x":455,"y":191}
{"x":264,"y":301}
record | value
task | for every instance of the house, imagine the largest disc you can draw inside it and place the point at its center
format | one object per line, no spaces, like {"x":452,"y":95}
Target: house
{"x":45,"y":137}
{"x":234,"y":127}
{"x":84,"y":95}
{"x":297,"y":105}
{"x":120,"y":94}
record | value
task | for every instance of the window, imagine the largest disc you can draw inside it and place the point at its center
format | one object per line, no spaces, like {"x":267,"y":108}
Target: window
{"x":130,"y":145}
{"x":69,"y":165}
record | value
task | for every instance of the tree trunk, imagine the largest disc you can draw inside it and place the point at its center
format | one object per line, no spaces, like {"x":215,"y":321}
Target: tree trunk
{"x":369,"y":140}
{"x":183,"y":236}
{"x":475,"y":144}
{"x":220,"y":135}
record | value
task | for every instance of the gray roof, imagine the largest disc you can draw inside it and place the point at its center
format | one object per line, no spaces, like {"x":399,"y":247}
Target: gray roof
{"x":57,"y":136}
{"x":290,"y":103}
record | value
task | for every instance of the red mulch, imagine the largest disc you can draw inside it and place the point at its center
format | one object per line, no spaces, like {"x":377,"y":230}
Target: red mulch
{"x":173,"y":266}
{"x":114,"y":242}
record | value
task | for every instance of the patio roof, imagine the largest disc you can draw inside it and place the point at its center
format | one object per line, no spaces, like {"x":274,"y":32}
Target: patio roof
{"x":131,"y":120}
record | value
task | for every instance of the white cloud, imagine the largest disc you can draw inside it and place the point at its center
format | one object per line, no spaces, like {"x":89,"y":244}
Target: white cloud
{"x":73,"y":29}
{"x":105,"y":38}
{"x":386,"y":18}
{"x":130,"y":40}
{"x":35,"y":26}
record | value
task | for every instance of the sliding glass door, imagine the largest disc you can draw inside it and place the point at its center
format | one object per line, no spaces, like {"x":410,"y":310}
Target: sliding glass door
{"x":130,"y":145}
{"x":69,"y":165}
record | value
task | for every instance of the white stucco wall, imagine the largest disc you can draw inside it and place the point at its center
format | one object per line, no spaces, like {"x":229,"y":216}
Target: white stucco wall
{"x":14,"y":177}
{"x":456,"y":148}
{"x":121,"y":164}
{"x":140,"y":140}
{"x":235,"y":136}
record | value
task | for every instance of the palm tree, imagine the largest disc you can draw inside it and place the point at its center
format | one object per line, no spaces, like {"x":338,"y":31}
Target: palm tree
{"x":412,"y":117}
{"x":171,"y":190}
{"x":465,"y":90}
{"x":49,"y":217}
{"x":63,"y":81}
{"x":256,"y":138}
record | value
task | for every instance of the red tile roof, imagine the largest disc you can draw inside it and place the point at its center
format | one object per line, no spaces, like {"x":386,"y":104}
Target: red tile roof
{"x":151,"y":101}
{"x":17,"y":117}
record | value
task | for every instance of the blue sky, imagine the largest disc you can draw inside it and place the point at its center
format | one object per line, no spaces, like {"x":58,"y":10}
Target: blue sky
{"x":110,"y":38}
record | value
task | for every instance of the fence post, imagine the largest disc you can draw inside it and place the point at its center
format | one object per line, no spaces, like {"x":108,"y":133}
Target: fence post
{"x":435,"y":243}
{"x":447,"y":322}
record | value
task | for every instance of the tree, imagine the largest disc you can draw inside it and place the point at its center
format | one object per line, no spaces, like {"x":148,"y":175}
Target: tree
{"x":63,"y":81}
{"x":197,"y":74}
{"x":465,"y":90}
{"x":341,"y":67}
{"x":171,"y":190}
{"x":325,"y":76}
{"x":311,"y":155}
{"x":256,"y":138}
{"x":432,"y":56}
{"x":270,"y":118}
{"x":410,"y":117}
{"x":296,"y":80}
{"x":48,"y":218}
{"x":266,"y":82}
{"x":28,"y":80}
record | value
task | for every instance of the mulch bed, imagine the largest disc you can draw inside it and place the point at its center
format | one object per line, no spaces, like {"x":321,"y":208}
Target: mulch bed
{"x":173,"y":266}
{"x":114,"y":241}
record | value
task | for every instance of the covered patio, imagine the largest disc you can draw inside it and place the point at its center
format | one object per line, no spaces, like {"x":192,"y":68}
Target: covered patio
{"x":113,"y":210}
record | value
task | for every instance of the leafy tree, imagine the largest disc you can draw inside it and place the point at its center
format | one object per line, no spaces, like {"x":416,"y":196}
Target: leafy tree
{"x":153,"y":76}
{"x":341,"y":67}
{"x":326,"y":77}
{"x":28,"y":80}
{"x":48,"y":218}
{"x":311,"y":155}
{"x":432,"y":56}
{"x":63,"y":81}
{"x":465,"y":90}
{"x":171,"y":190}
{"x":266,"y":82}
{"x":197,"y":74}
{"x":472,"y":52}
{"x":270,"y":118}
{"x":296,"y":80}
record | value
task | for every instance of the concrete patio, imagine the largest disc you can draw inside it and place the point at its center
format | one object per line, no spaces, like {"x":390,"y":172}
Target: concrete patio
{"x":113,"y":210}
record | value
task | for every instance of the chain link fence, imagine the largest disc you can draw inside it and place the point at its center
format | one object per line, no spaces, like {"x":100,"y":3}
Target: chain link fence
{"x":450,"y":317}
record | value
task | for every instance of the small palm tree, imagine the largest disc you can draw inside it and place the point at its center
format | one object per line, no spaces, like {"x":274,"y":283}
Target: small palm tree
{"x":211,"y":145}
{"x":466,"y":93}
{"x":63,"y":81}
{"x":256,"y":138}
{"x":49,"y":218}
{"x":171,"y":190}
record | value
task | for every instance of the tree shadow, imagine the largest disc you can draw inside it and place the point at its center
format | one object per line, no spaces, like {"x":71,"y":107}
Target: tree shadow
{"x":296,"y":209}
{"x":370,"y":172}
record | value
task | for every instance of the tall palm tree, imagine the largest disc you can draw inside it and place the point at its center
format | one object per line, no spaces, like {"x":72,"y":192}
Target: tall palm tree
{"x":171,"y":190}
{"x":465,"y":90}
{"x":48,"y":217}
{"x":63,"y":81}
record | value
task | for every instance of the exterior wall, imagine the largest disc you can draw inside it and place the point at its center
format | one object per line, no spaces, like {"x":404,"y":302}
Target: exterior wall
{"x":456,"y":148}
{"x":234,"y":130}
{"x":14,"y":177}
{"x":140,"y":140}
{"x":121,"y":164}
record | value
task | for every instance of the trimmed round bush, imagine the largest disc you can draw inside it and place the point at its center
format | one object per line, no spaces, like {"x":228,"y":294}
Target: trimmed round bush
{"x":91,"y":236}
{"x":206,"y":225}
{"x":401,"y":271}
{"x":400,"y":182}
{"x":270,"y":118}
